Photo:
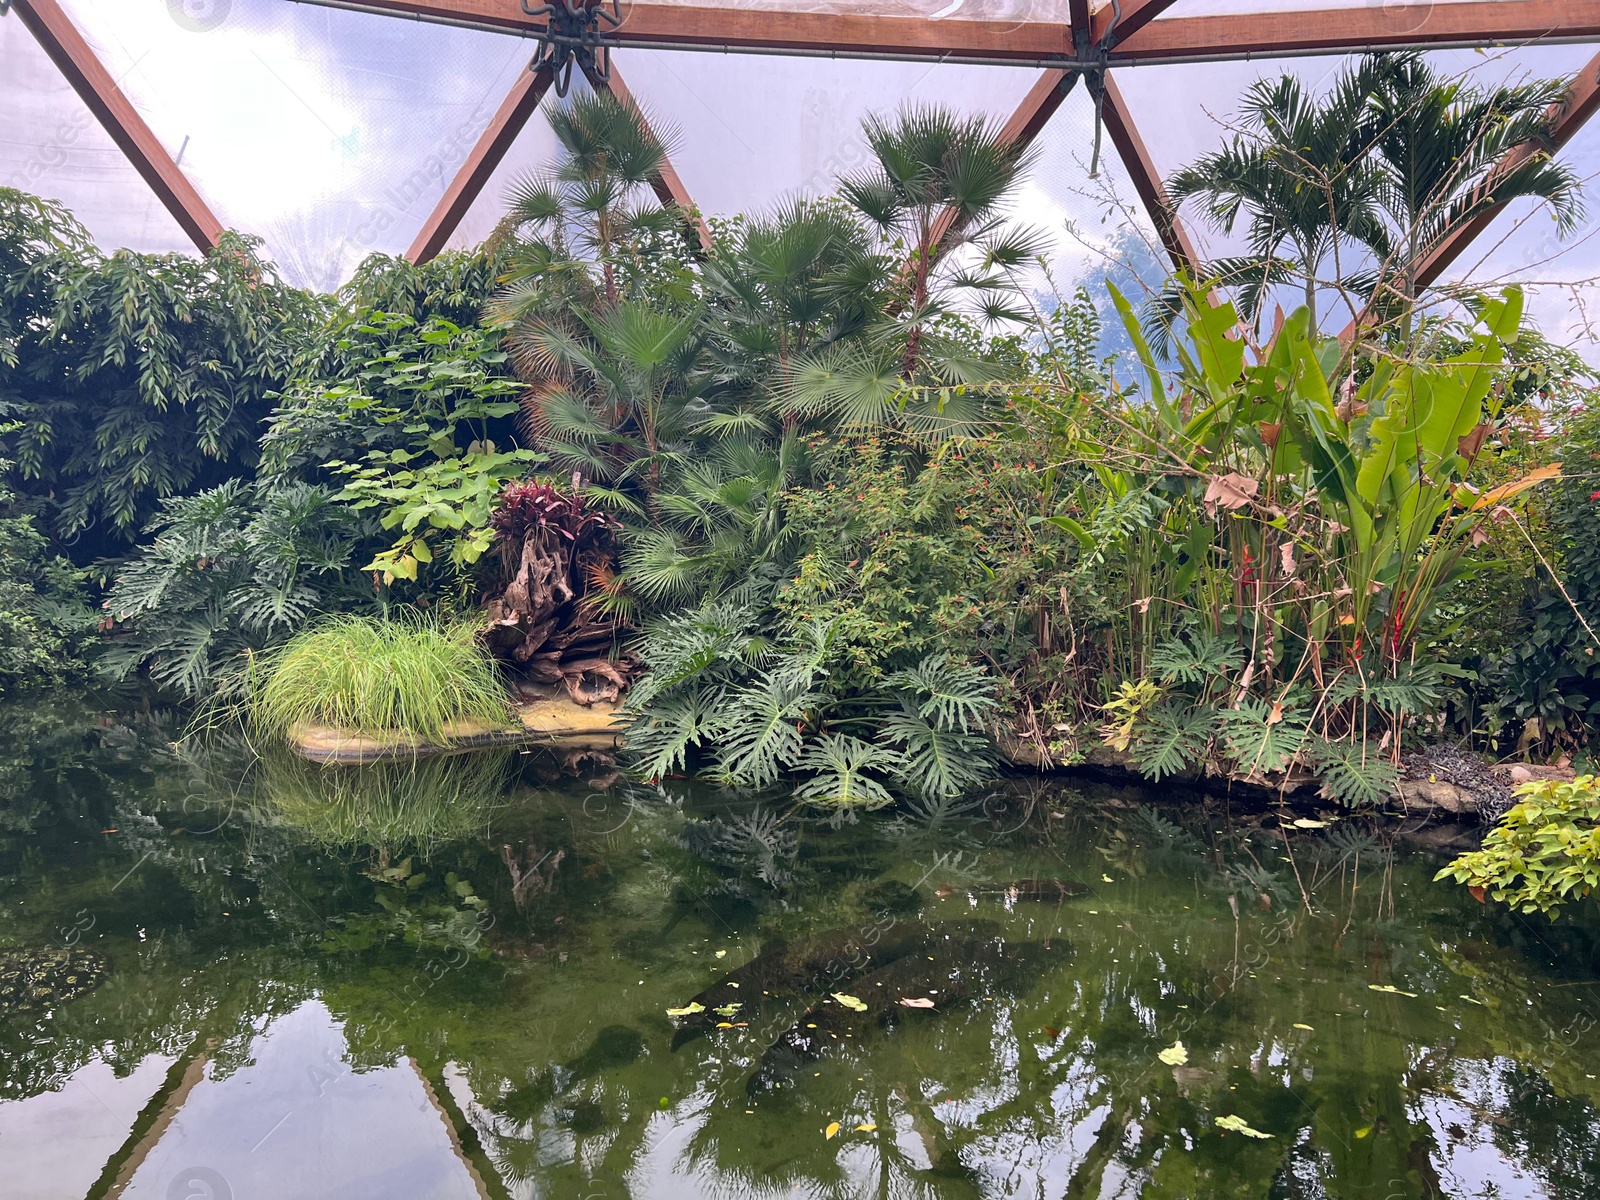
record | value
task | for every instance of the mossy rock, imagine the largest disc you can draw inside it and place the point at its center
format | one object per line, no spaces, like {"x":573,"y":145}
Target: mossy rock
{"x":35,"y":978}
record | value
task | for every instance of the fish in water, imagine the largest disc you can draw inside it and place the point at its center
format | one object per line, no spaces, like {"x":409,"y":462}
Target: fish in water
{"x":961,"y":960}
{"x":1054,"y":890}
{"x":785,"y":972}
{"x":37,"y":978}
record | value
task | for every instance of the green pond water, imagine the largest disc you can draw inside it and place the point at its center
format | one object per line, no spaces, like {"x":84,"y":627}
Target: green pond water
{"x":226,"y":977}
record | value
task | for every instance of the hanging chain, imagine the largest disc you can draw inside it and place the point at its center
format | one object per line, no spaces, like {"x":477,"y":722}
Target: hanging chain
{"x":572,"y":34}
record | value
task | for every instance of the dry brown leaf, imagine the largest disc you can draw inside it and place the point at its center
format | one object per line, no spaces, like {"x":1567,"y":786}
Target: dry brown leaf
{"x":1230,"y":491}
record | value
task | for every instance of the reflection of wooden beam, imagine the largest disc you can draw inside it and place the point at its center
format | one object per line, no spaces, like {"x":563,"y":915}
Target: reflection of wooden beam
{"x":469,"y":181}
{"x":668,"y":185}
{"x":94,"y":85}
{"x":1565,"y":119}
{"x":463,"y":1138}
{"x":1333,"y":29}
{"x":1146,"y":179}
{"x":152,"y":1122}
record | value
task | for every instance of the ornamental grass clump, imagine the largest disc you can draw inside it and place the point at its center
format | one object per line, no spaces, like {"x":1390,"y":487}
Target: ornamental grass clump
{"x":379,"y":677}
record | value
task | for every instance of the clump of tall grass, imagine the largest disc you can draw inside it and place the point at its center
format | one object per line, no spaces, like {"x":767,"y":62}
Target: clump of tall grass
{"x":378,"y":677}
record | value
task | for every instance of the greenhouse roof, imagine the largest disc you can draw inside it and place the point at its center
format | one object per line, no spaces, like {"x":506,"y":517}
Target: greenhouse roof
{"x":332,"y":129}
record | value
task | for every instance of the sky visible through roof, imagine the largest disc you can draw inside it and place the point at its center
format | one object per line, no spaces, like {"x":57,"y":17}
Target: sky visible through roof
{"x":331,"y":134}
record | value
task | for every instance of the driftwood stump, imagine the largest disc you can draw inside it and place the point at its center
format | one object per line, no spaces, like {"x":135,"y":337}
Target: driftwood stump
{"x":557,"y":559}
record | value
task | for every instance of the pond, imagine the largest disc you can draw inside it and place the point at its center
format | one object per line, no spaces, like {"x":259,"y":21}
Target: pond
{"x":227,"y":977}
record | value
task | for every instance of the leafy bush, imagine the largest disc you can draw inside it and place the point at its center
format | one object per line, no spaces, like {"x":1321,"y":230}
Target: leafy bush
{"x":136,"y":376}
{"x":761,"y":705}
{"x":46,"y":624}
{"x":226,"y":574}
{"x":379,"y":677}
{"x":1545,"y":851}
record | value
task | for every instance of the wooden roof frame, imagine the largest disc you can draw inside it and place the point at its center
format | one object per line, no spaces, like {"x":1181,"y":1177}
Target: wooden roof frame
{"x":1094,"y":40}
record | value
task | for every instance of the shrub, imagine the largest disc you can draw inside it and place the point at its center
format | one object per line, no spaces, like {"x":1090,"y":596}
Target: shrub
{"x":1544,"y":852}
{"x":378,"y":677}
{"x":46,"y":624}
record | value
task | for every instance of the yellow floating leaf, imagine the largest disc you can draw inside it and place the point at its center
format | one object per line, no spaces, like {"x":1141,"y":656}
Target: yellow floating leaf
{"x":1390,"y":989}
{"x":722,"y":954}
{"x":1307,"y":1028}
{"x":1235,"y":1124}
{"x":1363,"y":1131}
{"x":1106,"y":879}
{"x":850,"y":1002}
{"x":832,"y":1130}
{"x":1308,"y":823}
{"x":724,"y":1024}
{"x":1174,"y":1055}
{"x":867,"y":1128}
{"x":727,"y":1010}
{"x":688,"y":1010}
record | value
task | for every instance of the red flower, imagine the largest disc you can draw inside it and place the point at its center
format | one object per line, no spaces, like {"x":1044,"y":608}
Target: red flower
{"x":1593,"y":496}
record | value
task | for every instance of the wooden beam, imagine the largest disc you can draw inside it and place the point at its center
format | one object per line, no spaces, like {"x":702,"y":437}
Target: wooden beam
{"x":1081,"y":23}
{"x":502,"y":130}
{"x":1146,"y":179}
{"x":95,"y":86}
{"x":1038,"y":106}
{"x":1327,"y":30}
{"x":1136,"y":14}
{"x":1565,"y":119}
{"x":1359,"y":27}
{"x":669,"y":186}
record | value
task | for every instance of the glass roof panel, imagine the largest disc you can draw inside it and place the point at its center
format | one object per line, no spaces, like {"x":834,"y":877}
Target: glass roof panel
{"x":936,"y":10}
{"x":328,"y":133}
{"x":51,"y":146}
{"x":751,"y":130}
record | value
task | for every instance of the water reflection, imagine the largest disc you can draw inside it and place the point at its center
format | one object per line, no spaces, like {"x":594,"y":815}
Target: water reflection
{"x":462,"y":980}
{"x":390,"y":806}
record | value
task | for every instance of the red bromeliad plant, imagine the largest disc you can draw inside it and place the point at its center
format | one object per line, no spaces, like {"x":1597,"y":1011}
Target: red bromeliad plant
{"x":557,"y":616}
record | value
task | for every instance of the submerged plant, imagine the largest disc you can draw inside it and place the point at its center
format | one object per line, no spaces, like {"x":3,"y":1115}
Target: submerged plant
{"x":379,"y":677}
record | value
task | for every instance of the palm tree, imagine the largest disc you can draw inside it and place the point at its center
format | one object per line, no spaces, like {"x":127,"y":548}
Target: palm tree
{"x":1439,"y":141}
{"x":938,"y":184}
{"x":1300,"y":174}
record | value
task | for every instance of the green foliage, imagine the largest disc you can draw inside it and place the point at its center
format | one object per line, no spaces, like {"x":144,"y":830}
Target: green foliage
{"x":135,"y":377}
{"x":758,"y":706}
{"x":226,"y":574}
{"x":378,"y":677}
{"x":1172,"y":738}
{"x":46,"y":624}
{"x":1545,"y":851}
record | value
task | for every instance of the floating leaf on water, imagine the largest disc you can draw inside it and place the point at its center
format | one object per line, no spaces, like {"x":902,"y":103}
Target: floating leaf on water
{"x":1363,"y":1131}
{"x":724,"y":1025}
{"x":1308,"y":823}
{"x":727,"y":1010}
{"x":1236,"y":1124}
{"x":914,"y":1002}
{"x":1051,"y":1032}
{"x":722,"y":954}
{"x":1174,"y":1055}
{"x":850,"y":1002}
{"x":688,"y":1010}
{"x":1390,"y":989}
{"x":866,"y":1128}
{"x":832,"y":1130}
{"x":1106,"y":879}
{"x":1302,"y":1025}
